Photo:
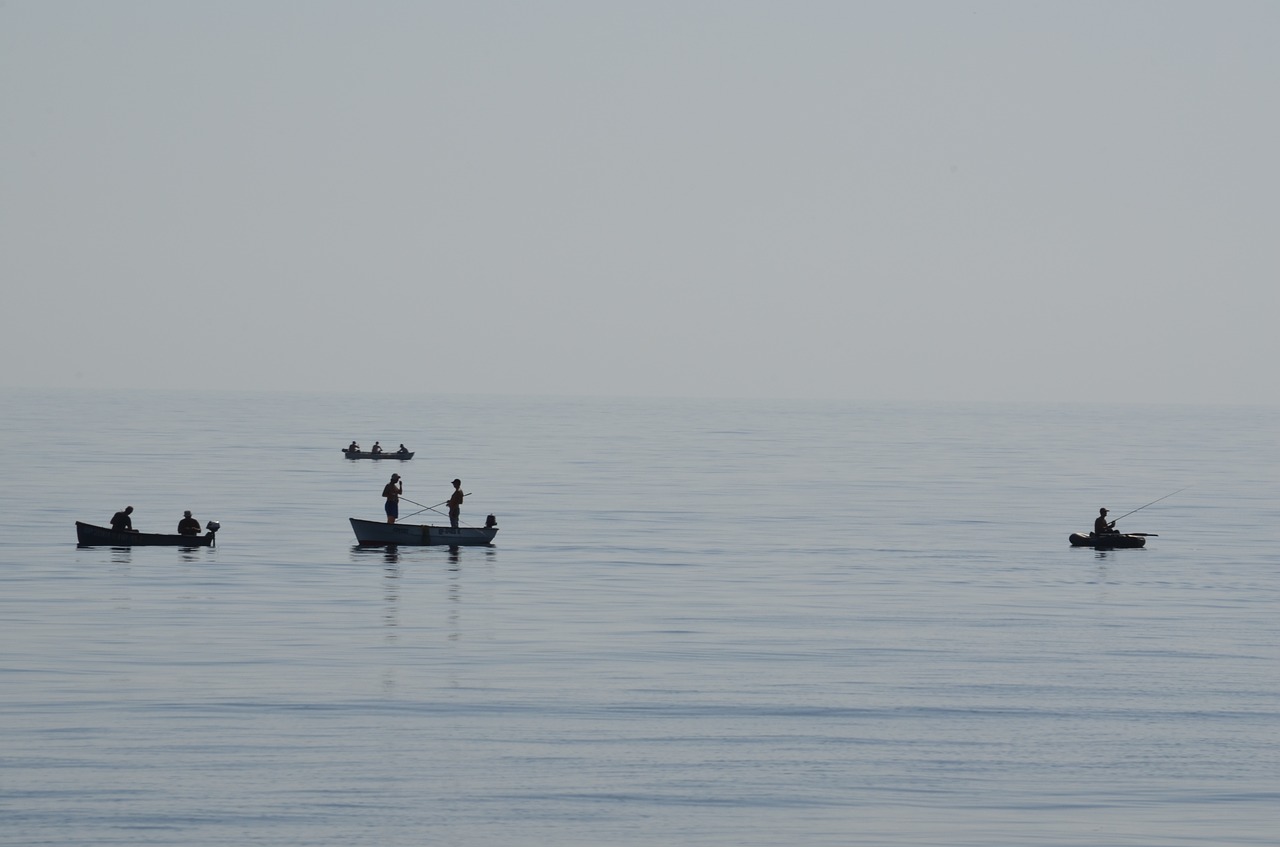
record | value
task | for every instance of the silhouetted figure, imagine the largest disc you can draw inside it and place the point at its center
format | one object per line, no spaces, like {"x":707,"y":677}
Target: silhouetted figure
{"x":455,"y":503}
{"x":1100,"y":525}
{"x":392,"y":491}
{"x":121,"y":521}
{"x":188,"y":525}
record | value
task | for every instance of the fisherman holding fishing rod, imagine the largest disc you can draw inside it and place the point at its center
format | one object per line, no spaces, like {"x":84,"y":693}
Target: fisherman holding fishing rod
{"x":455,"y":503}
{"x":1101,"y":526}
{"x":1105,"y":536}
{"x":394,"y":492}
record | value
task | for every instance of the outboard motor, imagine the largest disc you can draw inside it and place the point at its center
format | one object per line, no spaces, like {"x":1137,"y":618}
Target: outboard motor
{"x":491,"y":522}
{"x":213,"y":527}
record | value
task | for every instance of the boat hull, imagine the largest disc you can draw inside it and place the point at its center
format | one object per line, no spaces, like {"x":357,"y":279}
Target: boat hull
{"x":375,"y":532}
{"x":364,"y":454}
{"x":102,"y":536}
{"x":1106,"y":542}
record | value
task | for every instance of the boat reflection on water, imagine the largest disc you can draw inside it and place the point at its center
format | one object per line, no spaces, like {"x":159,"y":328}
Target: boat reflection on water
{"x":391,"y":596}
{"x":389,"y":553}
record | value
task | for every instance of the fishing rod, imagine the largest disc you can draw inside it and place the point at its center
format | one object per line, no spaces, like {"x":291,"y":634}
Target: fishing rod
{"x":1140,"y":508}
{"x":411,"y":514}
{"x":435,"y":507}
{"x":424,"y":508}
{"x":427,"y":508}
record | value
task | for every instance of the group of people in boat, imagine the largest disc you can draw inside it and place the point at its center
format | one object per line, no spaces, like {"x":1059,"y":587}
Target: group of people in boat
{"x":122,"y":521}
{"x":376,"y":448}
{"x":395,"y":488}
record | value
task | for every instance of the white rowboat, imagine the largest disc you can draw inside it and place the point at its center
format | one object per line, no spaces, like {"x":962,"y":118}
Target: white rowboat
{"x":375,"y":532}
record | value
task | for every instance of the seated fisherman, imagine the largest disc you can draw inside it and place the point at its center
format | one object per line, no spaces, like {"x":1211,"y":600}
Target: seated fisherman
{"x":1102,"y":527}
{"x":121,"y":521}
{"x":188,"y":525}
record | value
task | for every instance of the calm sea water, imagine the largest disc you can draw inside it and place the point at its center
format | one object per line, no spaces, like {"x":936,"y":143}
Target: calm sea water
{"x":703,"y":623}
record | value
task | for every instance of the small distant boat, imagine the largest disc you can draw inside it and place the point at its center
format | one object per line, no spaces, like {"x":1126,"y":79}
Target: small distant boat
{"x":366,"y":454}
{"x":375,"y":532}
{"x":1108,"y":541}
{"x":104,"y":536}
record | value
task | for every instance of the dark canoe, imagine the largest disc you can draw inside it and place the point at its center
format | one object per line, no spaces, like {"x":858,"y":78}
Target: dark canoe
{"x":380,"y":532}
{"x":364,"y":454}
{"x":1106,"y":542}
{"x":103,"y":536}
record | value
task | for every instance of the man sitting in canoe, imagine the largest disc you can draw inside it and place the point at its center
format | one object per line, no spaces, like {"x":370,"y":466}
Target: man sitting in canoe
{"x":188,"y":525}
{"x":121,"y":522}
{"x":402,"y":449}
{"x":377,"y":447}
{"x":1101,"y":527}
{"x":354,"y":448}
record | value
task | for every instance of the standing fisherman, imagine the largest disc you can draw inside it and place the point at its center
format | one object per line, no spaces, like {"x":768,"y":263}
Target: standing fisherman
{"x":392,"y":491}
{"x":455,"y":503}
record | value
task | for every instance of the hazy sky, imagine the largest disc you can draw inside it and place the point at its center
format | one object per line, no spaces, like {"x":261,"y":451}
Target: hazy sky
{"x":875,"y":200}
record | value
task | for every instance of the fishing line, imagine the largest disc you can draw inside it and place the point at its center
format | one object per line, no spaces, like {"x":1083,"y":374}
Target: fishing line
{"x":432,"y":508}
{"x":1140,"y":508}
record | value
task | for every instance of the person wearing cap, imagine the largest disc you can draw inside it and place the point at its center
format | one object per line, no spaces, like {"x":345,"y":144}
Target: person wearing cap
{"x":392,"y":491}
{"x":1101,"y":526}
{"x":188,"y":525}
{"x":455,"y":503}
